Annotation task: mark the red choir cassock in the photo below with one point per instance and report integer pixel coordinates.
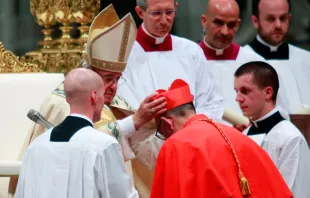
(207, 159)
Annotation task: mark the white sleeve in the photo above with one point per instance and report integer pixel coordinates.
(111, 177)
(127, 126)
(208, 97)
(127, 129)
(146, 145)
(294, 166)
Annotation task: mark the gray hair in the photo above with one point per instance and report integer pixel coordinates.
(143, 3)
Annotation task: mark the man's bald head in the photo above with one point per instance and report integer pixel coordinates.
(221, 22)
(222, 7)
(79, 85)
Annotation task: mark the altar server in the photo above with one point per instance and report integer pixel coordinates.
(257, 84)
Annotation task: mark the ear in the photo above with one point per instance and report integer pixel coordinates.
(168, 125)
(203, 21)
(139, 12)
(166, 120)
(268, 93)
(176, 5)
(289, 17)
(94, 97)
(238, 24)
(255, 21)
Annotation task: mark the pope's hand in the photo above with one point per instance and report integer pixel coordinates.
(149, 109)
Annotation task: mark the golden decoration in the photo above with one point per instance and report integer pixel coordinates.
(124, 43)
(84, 12)
(108, 65)
(63, 16)
(42, 12)
(55, 60)
(55, 54)
(9, 62)
(64, 53)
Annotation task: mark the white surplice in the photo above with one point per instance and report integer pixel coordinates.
(90, 165)
(289, 150)
(294, 76)
(147, 71)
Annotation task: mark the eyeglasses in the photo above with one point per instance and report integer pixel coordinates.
(111, 80)
(158, 13)
(158, 134)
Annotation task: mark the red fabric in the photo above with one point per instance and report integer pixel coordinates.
(197, 162)
(230, 53)
(178, 94)
(149, 45)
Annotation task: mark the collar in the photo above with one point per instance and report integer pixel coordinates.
(158, 40)
(229, 53)
(82, 116)
(151, 43)
(272, 48)
(218, 51)
(265, 123)
(198, 117)
(264, 117)
(280, 52)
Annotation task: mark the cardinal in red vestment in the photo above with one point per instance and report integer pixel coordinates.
(202, 158)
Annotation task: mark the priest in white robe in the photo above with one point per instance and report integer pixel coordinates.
(73, 159)
(271, 19)
(257, 85)
(220, 23)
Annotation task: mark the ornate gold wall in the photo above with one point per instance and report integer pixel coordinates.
(63, 53)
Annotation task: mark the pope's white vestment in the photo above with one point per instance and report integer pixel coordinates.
(89, 165)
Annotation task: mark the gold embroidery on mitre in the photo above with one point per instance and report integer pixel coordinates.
(108, 65)
(122, 52)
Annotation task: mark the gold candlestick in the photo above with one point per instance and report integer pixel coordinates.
(63, 16)
(41, 10)
(84, 12)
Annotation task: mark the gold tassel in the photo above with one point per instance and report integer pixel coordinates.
(245, 187)
(244, 184)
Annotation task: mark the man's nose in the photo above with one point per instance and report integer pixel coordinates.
(278, 23)
(224, 30)
(114, 84)
(239, 98)
(164, 19)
